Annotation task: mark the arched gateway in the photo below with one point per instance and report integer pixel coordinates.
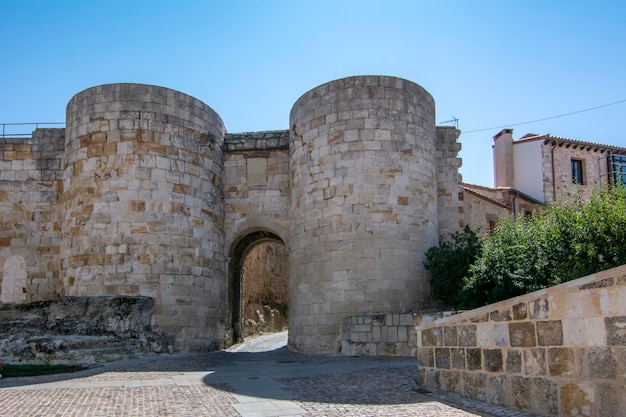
(156, 199)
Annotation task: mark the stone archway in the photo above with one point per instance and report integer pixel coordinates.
(258, 285)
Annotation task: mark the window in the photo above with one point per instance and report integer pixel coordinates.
(617, 170)
(577, 171)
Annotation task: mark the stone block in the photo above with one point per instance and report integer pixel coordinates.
(615, 330)
(499, 390)
(576, 399)
(544, 394)
(484, 334)
(425, 357)
(521, 393)
(432, 337)
(597, 362)
(449, 336)
(457, 358)
(442, 358)
(475, 386)
(520, 311)
(503, 314)
(522, 334)
(474, 359)
(450, 381)
(513, 361)
(467, 335)
(539, 309)
(501, 335)
(492, 360)
(535, 362)
(550, 333)
(611, 399)
(561, 362)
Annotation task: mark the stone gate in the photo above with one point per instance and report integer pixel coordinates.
(144, 193)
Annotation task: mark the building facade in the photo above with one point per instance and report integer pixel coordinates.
(540, 169)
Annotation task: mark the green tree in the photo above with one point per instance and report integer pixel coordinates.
(557, 244)
(448, 264)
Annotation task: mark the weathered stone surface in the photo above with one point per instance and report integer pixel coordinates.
(475, 386)
(492, 360)
(598, 362)
(520, 311)
(57, 330)
(513, 361)
(442, 358)
(615, 330)
(521, 392)
(611, 399)
(467, 335)
(449, 336)
(474, 359)
(550, 333)
(544, 395)
(576, 399)
(457, 358)
(522, 334)
(535, 361)
(561, 361)
(499, 390)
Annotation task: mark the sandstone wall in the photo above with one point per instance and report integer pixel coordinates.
(256, 184)
(363, 204)
(142, 206)
(556, 352)
(449, 206)
(557, 177)
(30, 230)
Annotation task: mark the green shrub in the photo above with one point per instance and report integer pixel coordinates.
(448, 264)
(557, 244)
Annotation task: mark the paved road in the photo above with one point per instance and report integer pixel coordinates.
(246, 381)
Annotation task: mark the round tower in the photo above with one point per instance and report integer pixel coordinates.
(363, 204)
(143, 211)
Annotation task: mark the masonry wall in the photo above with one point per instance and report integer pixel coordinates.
(30, 230)
(556, 352)
(256, 184)
(449, 206)
(363, 204)
(142, 206)
(558, 172)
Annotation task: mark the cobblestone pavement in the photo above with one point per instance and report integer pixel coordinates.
(240, 383)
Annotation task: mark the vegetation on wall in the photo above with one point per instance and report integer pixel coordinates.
(556, 244)
(449, 263)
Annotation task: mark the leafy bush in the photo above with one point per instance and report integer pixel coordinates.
(557, 244)
(449, 263)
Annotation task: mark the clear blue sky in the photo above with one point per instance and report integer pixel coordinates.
(488, 63)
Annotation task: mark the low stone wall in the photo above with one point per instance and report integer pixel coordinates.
(380, 334)
(556, 352)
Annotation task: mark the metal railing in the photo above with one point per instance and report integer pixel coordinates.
(18, 129)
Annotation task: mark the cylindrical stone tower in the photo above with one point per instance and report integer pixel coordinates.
(143, 211)
(363, 204)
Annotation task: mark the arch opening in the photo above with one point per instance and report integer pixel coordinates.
(258, 285)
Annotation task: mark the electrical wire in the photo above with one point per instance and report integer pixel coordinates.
(546, 118)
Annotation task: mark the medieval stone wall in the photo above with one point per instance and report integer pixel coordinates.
(560, 351)
(363, 204)
(142, 205)
(145, 194)
(449, 207)
(30, 229)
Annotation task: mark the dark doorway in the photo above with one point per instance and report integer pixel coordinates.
(258, 285)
